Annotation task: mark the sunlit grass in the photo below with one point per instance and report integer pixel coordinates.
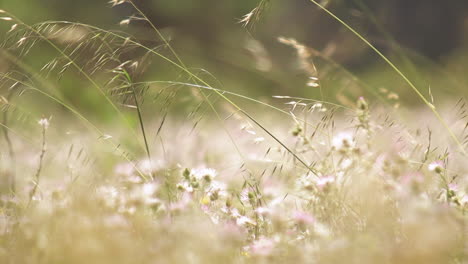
(191, 172)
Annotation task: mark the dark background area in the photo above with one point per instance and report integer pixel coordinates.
(430, 27)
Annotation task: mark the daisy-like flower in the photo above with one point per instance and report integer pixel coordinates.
(343, 140)
(436, 166)
(217, 190)
(206, 174)
(185, 186)
(246, 196)
(149, 189)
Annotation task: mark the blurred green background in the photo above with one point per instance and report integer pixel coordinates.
(427, 39)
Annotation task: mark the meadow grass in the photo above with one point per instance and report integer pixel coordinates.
(190, 172)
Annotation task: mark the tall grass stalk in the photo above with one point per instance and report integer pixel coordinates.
(94, 83)
(399, 72)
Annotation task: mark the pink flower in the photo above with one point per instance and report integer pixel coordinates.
(323, 182)
(303, 218)
(453, 187)
(262, 247)
(343, 140)
(436, 166)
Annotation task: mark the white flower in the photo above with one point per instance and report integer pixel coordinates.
(436, 166)
(149, 166)
(149, 189)
(263, 211)
(185, 186)
(219, 188)
(343, 140)
(204, 173)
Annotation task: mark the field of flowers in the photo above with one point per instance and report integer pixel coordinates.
(189, 172)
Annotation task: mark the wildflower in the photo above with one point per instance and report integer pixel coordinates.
(218, 186)
(453, 187)
(185, 186)
(343, 140)
(303, 218)
(149, 189)
(205, 200)
(436, 166)
(216, 190)
(206, 174)
(262, 247)
(247, 197)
